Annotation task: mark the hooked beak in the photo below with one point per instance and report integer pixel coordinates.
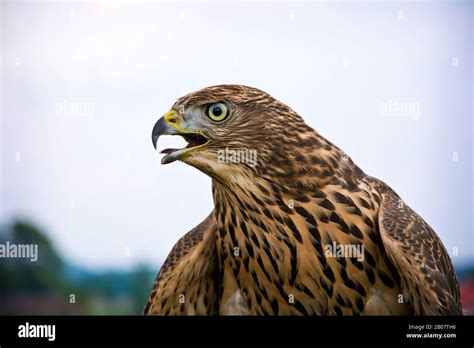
(195, 140)
(162, 128)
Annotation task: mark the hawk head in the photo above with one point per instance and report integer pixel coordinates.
(231, 128)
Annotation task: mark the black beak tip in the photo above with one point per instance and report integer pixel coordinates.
(158, 129)
(154, 140)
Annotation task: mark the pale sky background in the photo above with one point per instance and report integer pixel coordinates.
(95, 183)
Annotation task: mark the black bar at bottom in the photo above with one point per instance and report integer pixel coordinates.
(135, 330)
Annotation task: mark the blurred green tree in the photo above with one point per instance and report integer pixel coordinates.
(23, 275)
(46, 286)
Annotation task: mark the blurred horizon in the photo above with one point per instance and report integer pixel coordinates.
(49, 284)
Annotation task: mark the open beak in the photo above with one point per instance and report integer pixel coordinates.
(194, 140)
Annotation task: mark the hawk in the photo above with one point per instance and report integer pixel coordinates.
(298, 229)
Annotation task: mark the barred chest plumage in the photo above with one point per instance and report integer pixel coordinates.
(315, 253)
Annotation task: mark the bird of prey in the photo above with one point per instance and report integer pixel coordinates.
(301, 230)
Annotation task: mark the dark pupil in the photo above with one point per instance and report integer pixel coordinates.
(217, 111)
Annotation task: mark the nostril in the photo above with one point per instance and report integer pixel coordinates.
(172, 120)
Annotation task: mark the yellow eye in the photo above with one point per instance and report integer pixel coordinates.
(217, 112)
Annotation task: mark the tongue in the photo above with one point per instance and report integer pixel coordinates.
(168, 151)
(171, 155)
